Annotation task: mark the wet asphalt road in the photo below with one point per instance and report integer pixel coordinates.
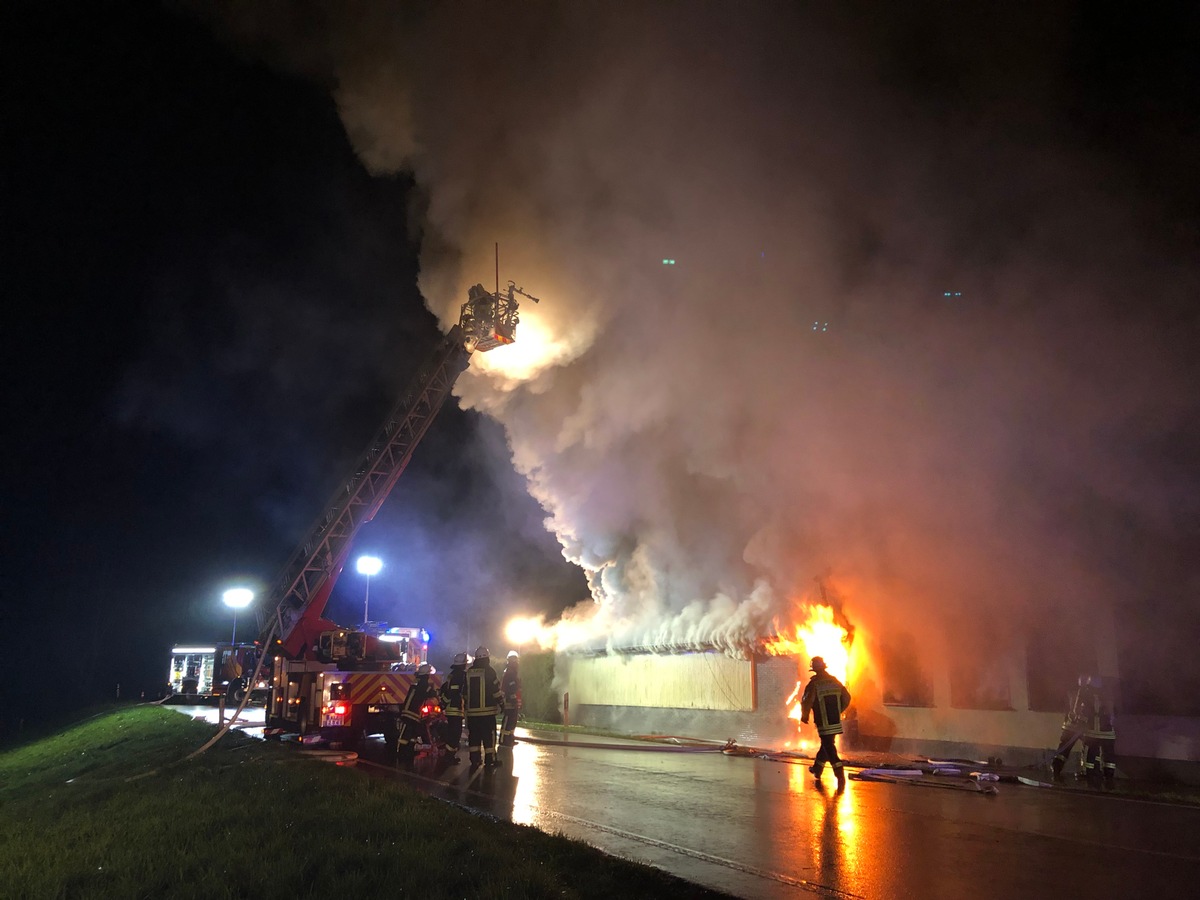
(760, 829)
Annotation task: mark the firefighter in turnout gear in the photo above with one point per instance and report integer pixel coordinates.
(483, 701)
(412, 726)
(1074, 726)
(451, 696)
(510, 684)
(826, 699)
(1100, 734)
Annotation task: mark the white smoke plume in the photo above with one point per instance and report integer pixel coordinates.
(915, 332)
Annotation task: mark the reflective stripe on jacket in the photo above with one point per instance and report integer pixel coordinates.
(417, 694)
(483, 694)
(1076, 714)
(1100, 718)
(825, 697)
(510, 686)
(451, 694)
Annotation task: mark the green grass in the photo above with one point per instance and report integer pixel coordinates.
(111, 808)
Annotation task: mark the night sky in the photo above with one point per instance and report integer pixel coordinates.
(160, 447)
(219, 221)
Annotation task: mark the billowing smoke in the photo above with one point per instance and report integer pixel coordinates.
(817, 296)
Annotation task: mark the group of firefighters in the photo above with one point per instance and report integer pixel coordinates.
(474, 692)
(471, 691)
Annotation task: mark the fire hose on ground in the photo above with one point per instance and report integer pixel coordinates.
(936, 775)
(943, 776)
(654, 748)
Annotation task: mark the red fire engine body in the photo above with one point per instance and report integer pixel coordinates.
(345, 683)
(342, 695)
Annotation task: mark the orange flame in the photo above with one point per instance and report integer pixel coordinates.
(819, 635)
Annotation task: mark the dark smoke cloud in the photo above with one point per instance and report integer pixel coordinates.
(930, 325)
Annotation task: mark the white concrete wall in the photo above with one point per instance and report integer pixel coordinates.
(1016, 727)
(1005, 728)
(679, 681)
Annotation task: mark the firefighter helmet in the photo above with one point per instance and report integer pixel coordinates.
(482, 653)
(424, 669)
(513, 654)
(460, 659)
(1085, 680)
(817, 664)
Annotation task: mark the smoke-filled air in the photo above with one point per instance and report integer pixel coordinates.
(831, 307)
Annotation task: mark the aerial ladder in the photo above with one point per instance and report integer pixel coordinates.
(348, 682)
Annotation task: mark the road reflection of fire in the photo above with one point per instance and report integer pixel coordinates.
(833, 840)
(525, 777)
(829, 818)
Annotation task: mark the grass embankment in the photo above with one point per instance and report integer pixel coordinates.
(109, 808)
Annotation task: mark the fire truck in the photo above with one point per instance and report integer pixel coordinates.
(344, 683)
(220, 670)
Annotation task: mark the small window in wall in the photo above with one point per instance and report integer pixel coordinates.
(905, 682)
(980, 684)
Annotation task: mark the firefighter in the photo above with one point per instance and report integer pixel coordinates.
(451, 698)
(1073, 728)
(1100, 734)
(412, 726)
(483, 700)
(510, 684)
(825, 698)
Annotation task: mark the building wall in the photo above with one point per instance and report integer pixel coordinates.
(1159, 747)
(902, 729)
(686, 681)
(710, 696)
(885, 727)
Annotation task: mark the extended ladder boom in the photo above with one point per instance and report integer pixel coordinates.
(294, 611)
(300, 594)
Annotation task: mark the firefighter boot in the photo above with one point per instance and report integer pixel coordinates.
(816, 771)
(840, 774)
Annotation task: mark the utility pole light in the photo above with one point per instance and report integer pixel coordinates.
(368, 565)
(235, 599)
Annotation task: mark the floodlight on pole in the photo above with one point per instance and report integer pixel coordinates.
(235, 599)
(368, 565)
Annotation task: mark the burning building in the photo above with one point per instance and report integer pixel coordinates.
(913, 695)
(909, 701)
(800, 318)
